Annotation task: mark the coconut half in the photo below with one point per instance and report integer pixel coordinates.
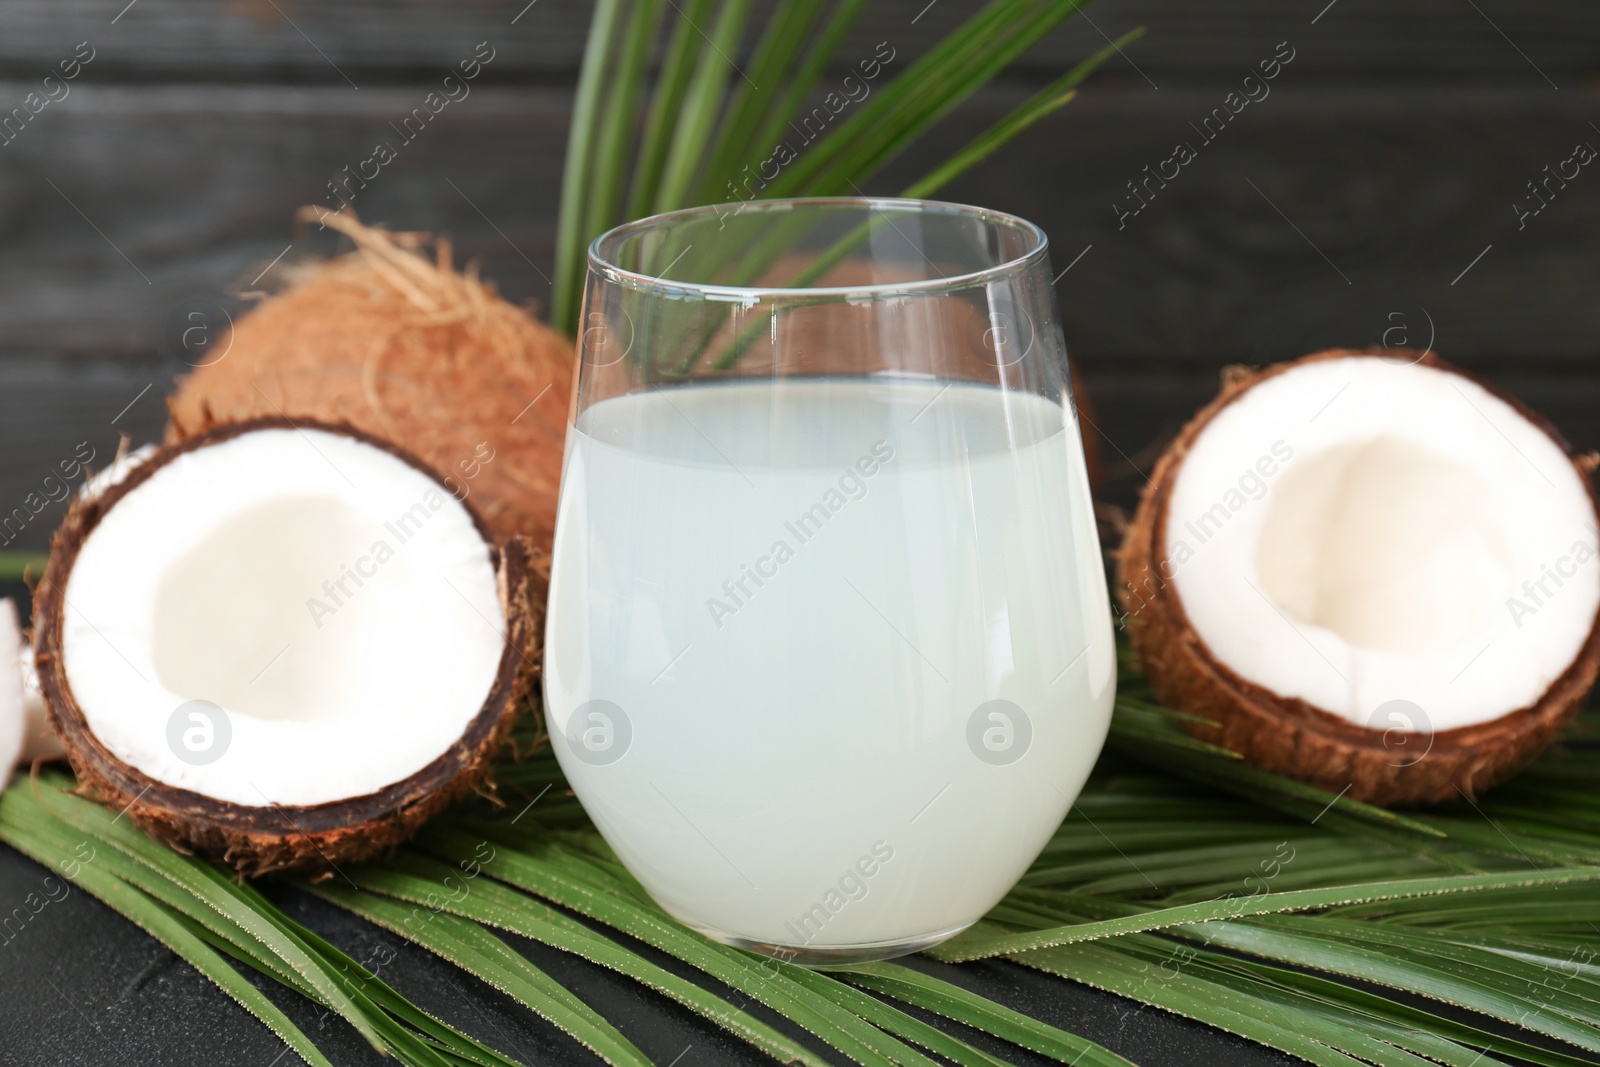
(1371, 572)
(39, 741)
(14, 722)
(20, 699)
(281, 644)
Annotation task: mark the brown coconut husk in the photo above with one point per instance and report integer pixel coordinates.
(406, 348)
(1294, 738)
(316, 839)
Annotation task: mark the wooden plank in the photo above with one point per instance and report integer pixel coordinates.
(1321, 216)
(1325, 216)
(374, 40)
(56, 413)
(131, 200)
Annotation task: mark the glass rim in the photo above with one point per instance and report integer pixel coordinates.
(750, 294)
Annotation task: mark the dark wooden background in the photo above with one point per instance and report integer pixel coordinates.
(1338, 211)
(1341, 210)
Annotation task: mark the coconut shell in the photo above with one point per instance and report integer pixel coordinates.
(318, 838)
(1294, 738)
(407, 349)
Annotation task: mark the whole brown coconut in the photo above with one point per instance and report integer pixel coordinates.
(1290, 736)
(315, 839)
(410, 350)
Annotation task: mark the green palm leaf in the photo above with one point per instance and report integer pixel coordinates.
(715, 120)
(1106, 904)
(974, 948)
(33, 839)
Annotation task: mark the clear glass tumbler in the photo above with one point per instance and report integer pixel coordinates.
(829, 649)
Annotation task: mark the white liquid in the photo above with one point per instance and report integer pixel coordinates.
(799, 770)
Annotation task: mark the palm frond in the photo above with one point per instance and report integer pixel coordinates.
(1161, 886)
(715, 122)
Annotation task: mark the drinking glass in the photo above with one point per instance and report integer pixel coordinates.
(829, 649)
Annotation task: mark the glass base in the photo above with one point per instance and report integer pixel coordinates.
(823, 956)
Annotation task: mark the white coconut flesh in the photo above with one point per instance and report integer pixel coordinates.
(338, 605)
(1358, 532)
(39, 738)
(122, 466)
(13, 694)
(20, 697)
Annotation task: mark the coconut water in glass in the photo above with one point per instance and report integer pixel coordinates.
(828, 653)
